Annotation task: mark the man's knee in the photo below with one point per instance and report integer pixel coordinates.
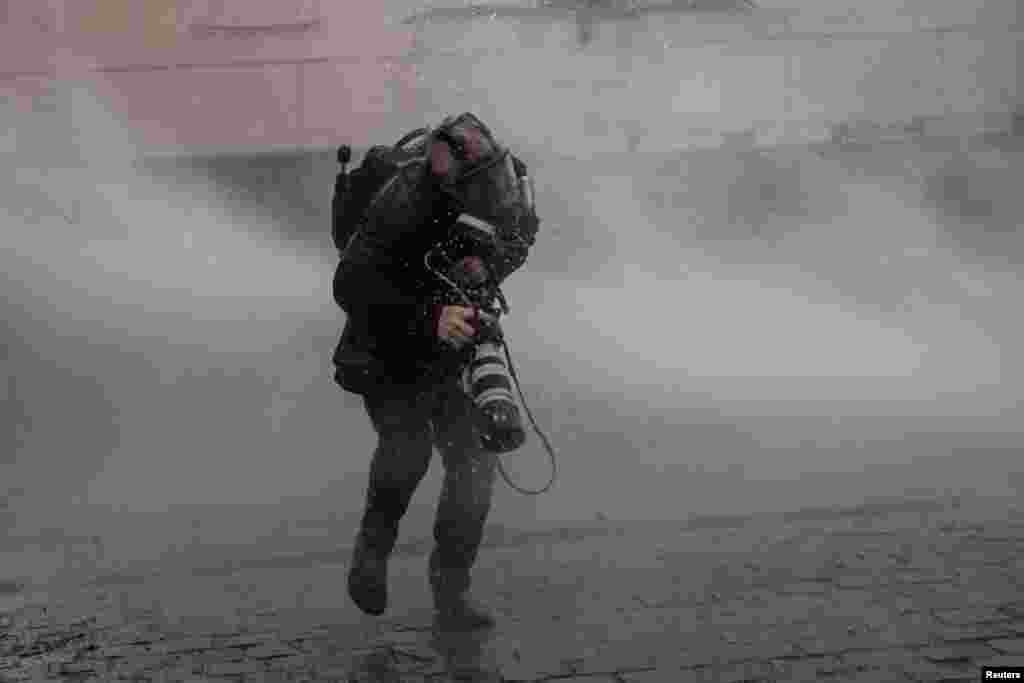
(460, 533)
(468, 491)
(396, 471)
(401, 457)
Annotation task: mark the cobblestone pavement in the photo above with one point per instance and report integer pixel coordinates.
(909, 592)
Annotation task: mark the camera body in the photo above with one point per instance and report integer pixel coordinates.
(486, 377)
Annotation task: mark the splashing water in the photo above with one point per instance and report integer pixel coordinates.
(663, 310)
(155, 325)
(91, 237)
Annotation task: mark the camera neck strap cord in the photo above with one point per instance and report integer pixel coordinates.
(447, 280)
(553, 459)
(540, 434)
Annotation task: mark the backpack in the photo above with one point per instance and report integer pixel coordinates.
(355, 191)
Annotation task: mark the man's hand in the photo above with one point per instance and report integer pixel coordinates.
(453, 325)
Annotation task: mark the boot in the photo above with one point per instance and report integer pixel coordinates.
(368, 577)
(461, 612)
(454, 607)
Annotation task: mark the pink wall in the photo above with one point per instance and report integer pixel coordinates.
(256, 73)
(215, 72)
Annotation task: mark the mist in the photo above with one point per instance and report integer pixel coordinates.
(700, 332)
(157, 332)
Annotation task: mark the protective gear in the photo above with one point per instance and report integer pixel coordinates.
(391, 301)
(390, 353)
(355, 191)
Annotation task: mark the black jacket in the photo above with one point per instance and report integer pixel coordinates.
(390, 299)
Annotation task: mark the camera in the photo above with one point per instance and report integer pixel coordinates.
(486, 378)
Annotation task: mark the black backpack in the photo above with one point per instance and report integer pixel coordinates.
(355, 191)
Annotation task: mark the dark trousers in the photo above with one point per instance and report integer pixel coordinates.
(409, 426)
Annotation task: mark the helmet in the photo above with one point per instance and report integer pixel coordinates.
(471, 142)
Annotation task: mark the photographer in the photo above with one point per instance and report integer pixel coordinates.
(412, 342)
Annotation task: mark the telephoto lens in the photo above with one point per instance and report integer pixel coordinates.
(488, 383)
(486, 378)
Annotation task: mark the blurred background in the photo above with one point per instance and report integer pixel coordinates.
(780, 263)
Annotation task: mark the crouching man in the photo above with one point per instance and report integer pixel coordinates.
(405, 346)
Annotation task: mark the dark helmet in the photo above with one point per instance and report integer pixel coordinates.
(486, 182)
(465, 134)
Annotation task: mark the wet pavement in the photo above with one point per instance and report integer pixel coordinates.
(909, 591)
